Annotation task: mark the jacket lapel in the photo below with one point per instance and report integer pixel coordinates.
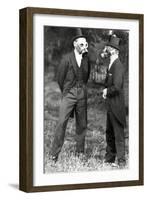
(74, 62)
(113, 64)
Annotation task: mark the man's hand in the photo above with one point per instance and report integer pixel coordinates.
(105, 93)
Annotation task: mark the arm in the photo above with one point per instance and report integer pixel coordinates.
(117, 82)
(88, 64)
(62, 70)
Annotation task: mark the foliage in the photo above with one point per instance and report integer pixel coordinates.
(58, 41)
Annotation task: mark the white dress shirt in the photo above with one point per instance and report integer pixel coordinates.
(78, 57)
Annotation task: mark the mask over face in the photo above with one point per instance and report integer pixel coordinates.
(108, 51)
(81, 45)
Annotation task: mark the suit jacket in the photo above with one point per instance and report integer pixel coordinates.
(67, 71)
(115, 92)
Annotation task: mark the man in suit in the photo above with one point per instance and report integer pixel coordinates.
(73, 74)
(114, 95)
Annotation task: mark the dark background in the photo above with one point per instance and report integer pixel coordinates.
(58, 41)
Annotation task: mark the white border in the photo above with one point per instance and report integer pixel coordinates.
(132, 173)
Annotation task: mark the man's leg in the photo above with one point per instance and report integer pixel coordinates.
(81, 121)
(119, 140)
(66, 107)
(110, 140)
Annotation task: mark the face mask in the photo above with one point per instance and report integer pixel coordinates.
(105, 53)
(81, 45)
(111, 50)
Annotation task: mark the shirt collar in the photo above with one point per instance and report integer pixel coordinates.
(77, 54)
(78, 57)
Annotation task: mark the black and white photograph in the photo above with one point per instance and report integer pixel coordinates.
(73, 100)
(85, 99)
(82, 100)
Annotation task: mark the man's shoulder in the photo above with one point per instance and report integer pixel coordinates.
(118, 64)
(118, 67)
(67, 56)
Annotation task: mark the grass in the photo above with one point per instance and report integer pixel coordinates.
(95, 141)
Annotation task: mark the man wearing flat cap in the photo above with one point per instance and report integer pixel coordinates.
(114, 96)
(73, 74)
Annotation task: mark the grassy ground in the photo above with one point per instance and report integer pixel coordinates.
(95, 142)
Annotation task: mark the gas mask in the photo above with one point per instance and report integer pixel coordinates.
(109, 51)
(106, 52)
(81, 45)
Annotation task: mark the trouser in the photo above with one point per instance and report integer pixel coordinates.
(115, 139)
(75, 99)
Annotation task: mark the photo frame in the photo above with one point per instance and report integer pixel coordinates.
(32, 22)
